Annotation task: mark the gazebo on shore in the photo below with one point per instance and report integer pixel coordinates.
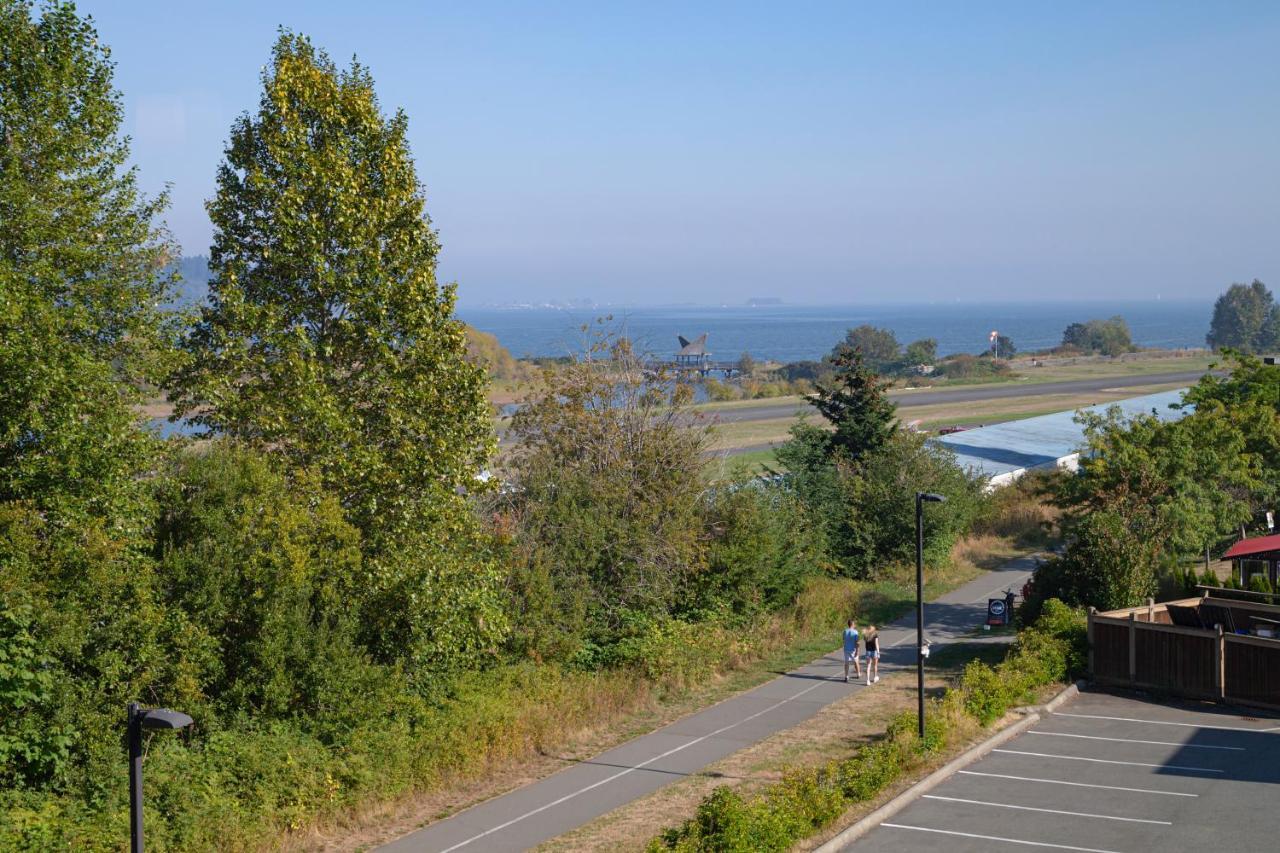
(693, 354)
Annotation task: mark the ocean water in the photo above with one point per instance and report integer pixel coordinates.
(797, 333)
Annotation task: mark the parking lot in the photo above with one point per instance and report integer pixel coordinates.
(1108, 774)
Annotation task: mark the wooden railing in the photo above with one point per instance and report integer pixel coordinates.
(1138, 647)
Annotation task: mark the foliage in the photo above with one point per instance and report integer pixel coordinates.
(965, 366)
(1005, 347)
(746, 364)
(856, 405)
(1245, 318)
(808, 799)
(328, 340)
(923, 351)
(81, 274)
(1149, 492)
(879, 347)
(1108, 337)
(607, 472)
(484, 349)
(810, 371)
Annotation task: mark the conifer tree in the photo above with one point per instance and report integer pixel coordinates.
(855, 403)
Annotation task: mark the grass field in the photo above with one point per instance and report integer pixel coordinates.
(730, 436)
(1051, 370)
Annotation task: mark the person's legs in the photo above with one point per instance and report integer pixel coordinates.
(846, 666)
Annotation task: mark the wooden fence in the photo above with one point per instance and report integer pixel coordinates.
(1140, 648)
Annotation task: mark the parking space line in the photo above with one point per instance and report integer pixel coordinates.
(1131, 740)
(997, 838)
(1077, 784)
(1047, 811)
(1108, 761)
(1167, 723)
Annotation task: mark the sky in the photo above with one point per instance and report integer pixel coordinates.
(820, 152)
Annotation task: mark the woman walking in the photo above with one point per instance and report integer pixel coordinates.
(871, 637)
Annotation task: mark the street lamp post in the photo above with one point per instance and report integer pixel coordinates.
(921, 497)
(151, 719)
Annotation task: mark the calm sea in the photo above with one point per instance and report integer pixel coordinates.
(797, 333)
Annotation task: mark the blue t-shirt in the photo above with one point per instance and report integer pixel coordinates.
(850, 639)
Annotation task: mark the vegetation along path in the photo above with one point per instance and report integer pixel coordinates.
(534, 813)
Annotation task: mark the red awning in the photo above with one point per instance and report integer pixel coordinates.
(1256, 545)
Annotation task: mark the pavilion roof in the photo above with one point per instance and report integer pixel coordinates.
(1256, 545)
(688, 347)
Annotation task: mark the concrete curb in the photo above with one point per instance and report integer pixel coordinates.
(937, 777)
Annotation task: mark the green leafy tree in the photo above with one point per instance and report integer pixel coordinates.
(746, 364)
(606, 509)
(855, 403)
(84, 267)
(1005, 347)
(328, 344)
(879, 347)
(1108, 337)
(1245, 318)
(923, 351)
(82, 271)
(328, 340)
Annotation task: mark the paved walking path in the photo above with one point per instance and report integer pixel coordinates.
(565, 800)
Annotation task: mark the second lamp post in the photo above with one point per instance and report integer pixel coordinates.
(921, 498)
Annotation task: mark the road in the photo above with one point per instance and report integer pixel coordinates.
(583, 791)
(907, 398)
(1107, 774)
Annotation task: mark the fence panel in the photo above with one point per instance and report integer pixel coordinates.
(1177, 662)
(1110, 651)
(1253, 671)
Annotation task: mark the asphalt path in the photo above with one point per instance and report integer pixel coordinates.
(1107, 773)
(908, 398)
(527, 816)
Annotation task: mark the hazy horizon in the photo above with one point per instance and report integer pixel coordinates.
(830, 154)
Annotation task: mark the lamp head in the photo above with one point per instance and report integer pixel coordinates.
(931, 497)
(163, 718)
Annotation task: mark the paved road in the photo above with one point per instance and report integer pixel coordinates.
(1107, 774)
(906, 398)
(583, 791)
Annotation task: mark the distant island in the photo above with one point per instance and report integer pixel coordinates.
(762, 301)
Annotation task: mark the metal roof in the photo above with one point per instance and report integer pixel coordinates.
(698, 347)
(1256, 545)
(1046, 440)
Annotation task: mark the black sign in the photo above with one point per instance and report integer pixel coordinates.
(997, 612)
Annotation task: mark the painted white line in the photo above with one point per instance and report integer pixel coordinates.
(997, 838)
(622, 773)
(1167, 723)
(1131, 740)
(1108, 761)
(1048, 811)
(1077, 784)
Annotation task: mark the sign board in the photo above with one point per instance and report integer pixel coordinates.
(997, 612)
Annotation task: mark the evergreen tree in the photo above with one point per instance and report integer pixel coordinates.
(328, 339)
(856, 404)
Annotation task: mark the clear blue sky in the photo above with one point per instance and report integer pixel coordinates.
(816, 151)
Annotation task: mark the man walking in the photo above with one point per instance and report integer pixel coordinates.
(851, 650)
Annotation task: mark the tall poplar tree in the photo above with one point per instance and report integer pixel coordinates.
(329, 344)
(82, 269)
(328, 339)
